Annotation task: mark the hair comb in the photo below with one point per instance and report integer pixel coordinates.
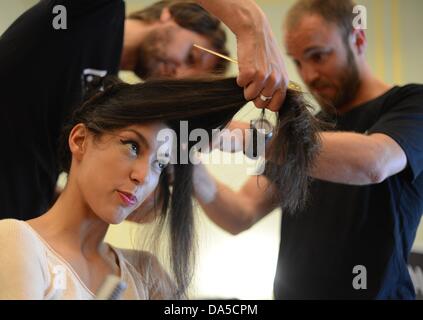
(292, 85)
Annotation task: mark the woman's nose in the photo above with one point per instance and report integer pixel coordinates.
(139, 173)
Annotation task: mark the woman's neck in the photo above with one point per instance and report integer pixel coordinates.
(70, 221)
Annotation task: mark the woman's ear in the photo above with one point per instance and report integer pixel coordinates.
(78, 140)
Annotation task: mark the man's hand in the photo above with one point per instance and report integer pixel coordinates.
(262, 72)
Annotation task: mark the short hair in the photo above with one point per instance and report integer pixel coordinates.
(191, 16)
(339, 12)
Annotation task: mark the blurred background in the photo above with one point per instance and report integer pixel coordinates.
(243, 266)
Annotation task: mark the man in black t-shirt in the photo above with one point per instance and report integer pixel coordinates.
(44, 70)
(353, 238)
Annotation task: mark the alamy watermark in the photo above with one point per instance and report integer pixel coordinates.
(360, 20)
(60, 19)
(199, 141)
(360, 279)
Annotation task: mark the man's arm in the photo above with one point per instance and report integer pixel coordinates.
(261, 67)
(347, 158)
(233, 211)
(352, 158)
(358, 159)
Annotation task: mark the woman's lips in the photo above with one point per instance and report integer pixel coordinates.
(127, 198)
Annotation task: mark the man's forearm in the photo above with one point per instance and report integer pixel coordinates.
(228, 210)
(245, 11)
(261, 67)
(349, 158)
(234, 211)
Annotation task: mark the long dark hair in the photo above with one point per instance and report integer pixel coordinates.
(208, 104)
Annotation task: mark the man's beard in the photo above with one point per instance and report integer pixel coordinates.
(349, 84)
(152, 53)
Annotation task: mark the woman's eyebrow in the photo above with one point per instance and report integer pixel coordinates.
(142, 139)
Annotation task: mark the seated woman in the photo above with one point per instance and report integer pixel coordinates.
(114, 161)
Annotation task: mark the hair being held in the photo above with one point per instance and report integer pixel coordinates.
(207, 104)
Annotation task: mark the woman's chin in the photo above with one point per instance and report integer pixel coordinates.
(117, 217)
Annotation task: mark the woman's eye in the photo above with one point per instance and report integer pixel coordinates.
(132, 145)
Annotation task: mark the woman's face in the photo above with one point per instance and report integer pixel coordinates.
(116, 172)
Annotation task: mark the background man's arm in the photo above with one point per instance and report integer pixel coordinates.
(261, 67)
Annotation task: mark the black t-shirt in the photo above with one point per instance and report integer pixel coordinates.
(373, 226)
(41, 80)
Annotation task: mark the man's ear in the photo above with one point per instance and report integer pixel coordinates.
(165, 16)
(359, 41)
(78, 140)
